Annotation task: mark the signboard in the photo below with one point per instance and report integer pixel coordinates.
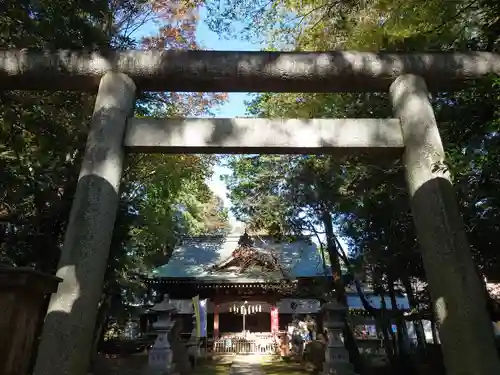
(275, 326)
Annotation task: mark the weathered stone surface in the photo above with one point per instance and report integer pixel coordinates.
(241, 71)
(336, 355)
(68, 330)
(247, 135)
(459, 301)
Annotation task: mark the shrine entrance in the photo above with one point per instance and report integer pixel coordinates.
(246, 329)
(457, 294)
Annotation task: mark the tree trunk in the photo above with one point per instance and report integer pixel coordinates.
(405, 360)
(435, 335)
(434, 326)
(385, 325)
(350, 341)
(402, 341)
(101, 320)
(418, 326)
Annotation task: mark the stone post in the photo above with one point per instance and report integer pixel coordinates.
(456, 290)
(336, 355)
(69, 324)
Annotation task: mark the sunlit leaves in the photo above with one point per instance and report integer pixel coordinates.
(176, 23)
(373, 207)
(42, 137)
(169, 193)
(43, 134)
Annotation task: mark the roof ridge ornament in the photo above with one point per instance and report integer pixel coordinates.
(245, 240)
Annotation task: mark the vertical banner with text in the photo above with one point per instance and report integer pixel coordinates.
(200, 313)
(275, 323)
(203, 318)
(196, 309)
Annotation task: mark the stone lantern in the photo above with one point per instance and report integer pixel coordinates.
(160, 355)
(336, 355)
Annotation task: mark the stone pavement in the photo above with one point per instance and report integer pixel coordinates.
(246, 365)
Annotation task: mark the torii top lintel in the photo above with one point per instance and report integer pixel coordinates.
(225, 71)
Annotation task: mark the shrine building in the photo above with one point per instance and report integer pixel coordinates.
(267, 281)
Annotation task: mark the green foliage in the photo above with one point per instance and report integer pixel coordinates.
(368, 201)
(53, 24)
(43, 134)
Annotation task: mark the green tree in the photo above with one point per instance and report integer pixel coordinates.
(372, 209)
(43, 134)
(216, 216)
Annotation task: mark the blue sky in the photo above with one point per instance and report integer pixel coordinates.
(235, 106)
(209, 40)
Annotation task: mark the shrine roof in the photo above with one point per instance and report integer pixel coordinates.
(198, 258)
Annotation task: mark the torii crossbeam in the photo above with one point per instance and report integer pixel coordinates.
(223, 71)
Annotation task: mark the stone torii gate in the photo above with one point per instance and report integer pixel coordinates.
(457, 294)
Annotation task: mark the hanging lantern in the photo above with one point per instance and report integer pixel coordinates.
(260, 308)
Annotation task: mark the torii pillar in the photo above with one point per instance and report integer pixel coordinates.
(457, 294)
(68, 332)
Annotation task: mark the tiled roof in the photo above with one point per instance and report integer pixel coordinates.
(196, 257)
